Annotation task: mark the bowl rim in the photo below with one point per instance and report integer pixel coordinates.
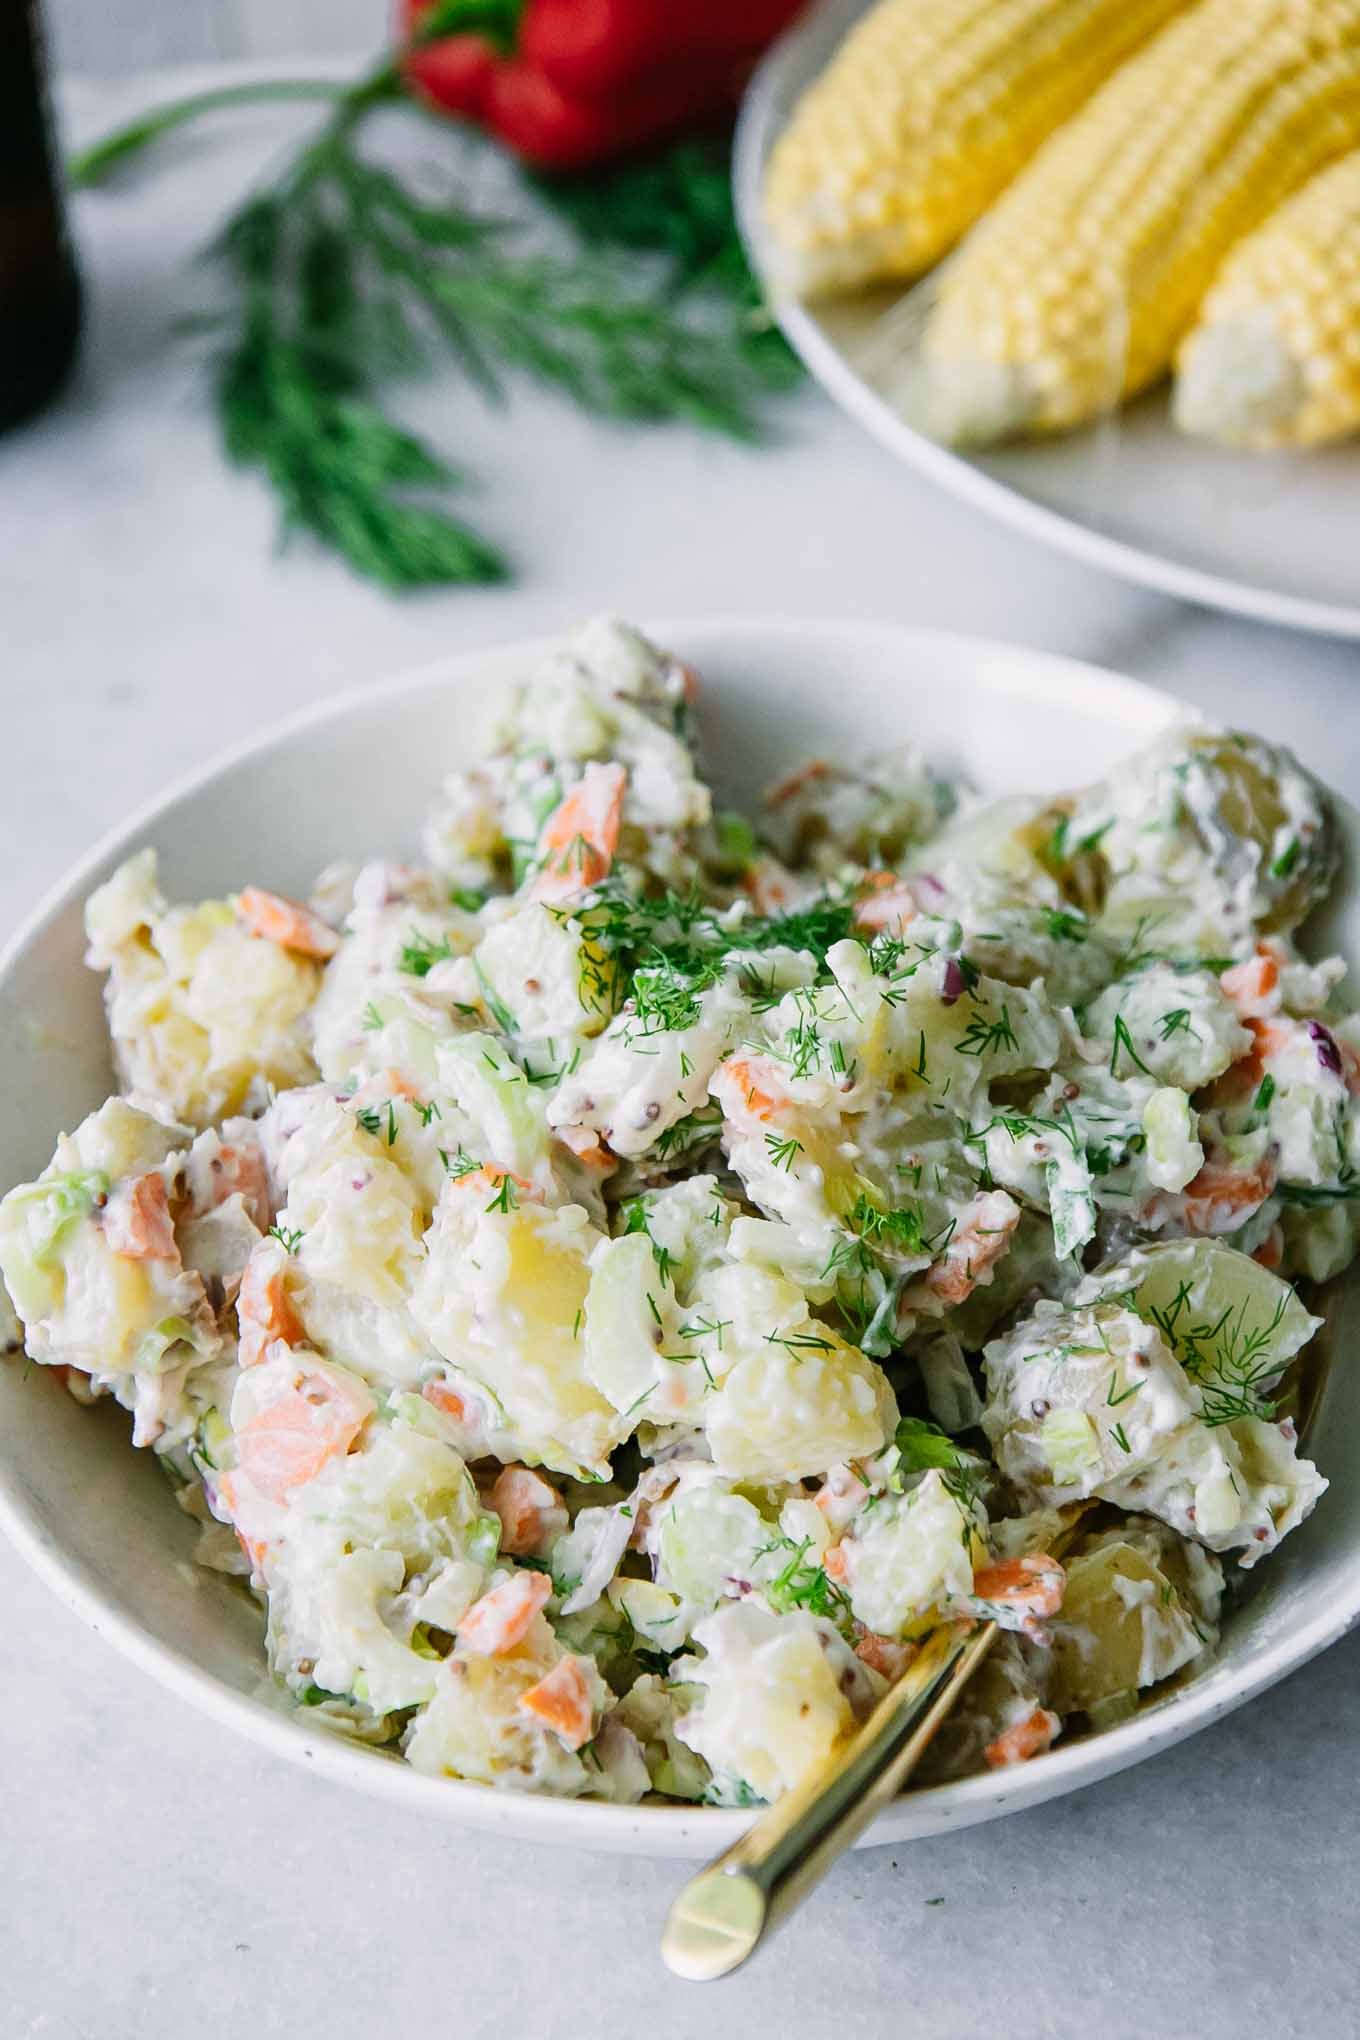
(661, 1829)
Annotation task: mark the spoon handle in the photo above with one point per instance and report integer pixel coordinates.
(724, 1913)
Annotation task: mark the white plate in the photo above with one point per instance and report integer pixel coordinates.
(354, 774)
(1267, 536)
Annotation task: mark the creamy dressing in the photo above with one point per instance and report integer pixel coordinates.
(613, 1285)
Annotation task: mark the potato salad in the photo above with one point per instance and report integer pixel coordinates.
(610, 1278)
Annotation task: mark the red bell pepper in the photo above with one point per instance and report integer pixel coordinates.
(596, 49)
(453, 74)
(588, 79)
(546, 128)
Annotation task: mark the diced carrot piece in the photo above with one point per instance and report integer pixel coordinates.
(289, 1442)
(1033, 1584)
(887, 904)
(581, 835)
(885, 1654)
(586, 1145)
(975, 1248)
(561, 1701)
(238, 1167)
(286, 922)
(750, 1087)
(501, 1619)
(1222, 1197)
(1269, 1038)
(767, 885)
(382, 1085)
(137, 1222)
(441, 1397)
(835, 1564)
(530, 1510)
(1251, 985)
(486, 1181)
(264, 1310)
(1270, 1253)
(1028, 1738)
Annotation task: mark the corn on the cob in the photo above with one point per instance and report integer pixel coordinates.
(927, 110)
(1076, 288)
(1274, 357)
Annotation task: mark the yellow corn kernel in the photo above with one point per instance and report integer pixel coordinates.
(1075, 289)
(925, 113)
(1274, 357)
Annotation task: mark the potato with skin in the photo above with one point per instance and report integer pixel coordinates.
(204, 1010)
(1138, 1605)
(1010, 1686)
(1203, 841)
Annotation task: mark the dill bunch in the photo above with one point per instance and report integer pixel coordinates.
(340, 278)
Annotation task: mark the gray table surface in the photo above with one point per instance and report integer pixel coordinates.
(164, 1879)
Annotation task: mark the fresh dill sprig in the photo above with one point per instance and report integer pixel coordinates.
(1232, 1360)
(982, 1037)
(1123, 1039)
(799, 1343)
(340, 276)
(633, 1212)
(782, 1149)
(686, 1133)
(1064, 924)
(1178, 1021)
(803, 1583)
(420, 953)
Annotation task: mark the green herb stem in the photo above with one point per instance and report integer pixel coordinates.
(93, 165)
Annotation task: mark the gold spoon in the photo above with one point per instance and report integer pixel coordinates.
(723, 1914)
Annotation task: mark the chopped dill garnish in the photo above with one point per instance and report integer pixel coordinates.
(802, 1583)
(493, 1002)
(799, 1342)
(1178, 1021)
(1123, 1039)
(1231, 1360)
(1064, 924)
(983, 1037)
(782, 1149)
(420, 953)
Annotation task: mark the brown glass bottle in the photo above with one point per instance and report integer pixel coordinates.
(39, 294)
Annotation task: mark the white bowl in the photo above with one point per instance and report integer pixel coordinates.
(98, 1520)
